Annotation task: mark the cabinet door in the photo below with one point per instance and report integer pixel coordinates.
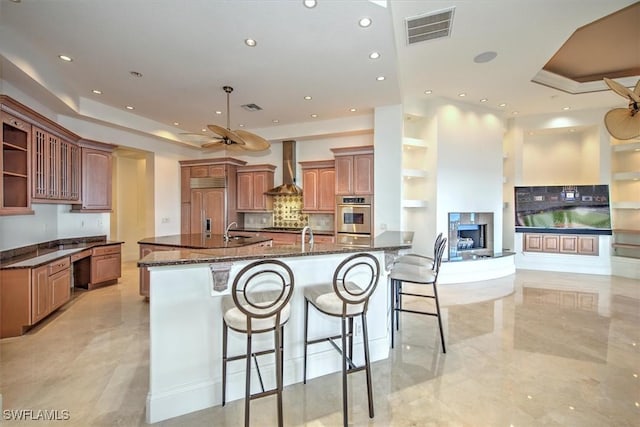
(344, 175)
(217, 170)
(550, 243)
(245, 191)
(199, 171)
(185, 184)
(185, 218)
(310, 185)
(96, 179)
(262, 181)
(588, 245)
(532, 242)
(207, 203)
(40, 163)
(40, 294)
(363, 174)
(53, 166)
(15, 165)
(60, 284)
(69, 171)
(105, 268)
(569, 244)
(326, 190)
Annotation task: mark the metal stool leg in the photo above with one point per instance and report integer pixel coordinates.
(306, 329)
(345, 406)
(278, 356)
(247, 390)
(435, 293)
(393, 310)
(367, 363)
(224, 362)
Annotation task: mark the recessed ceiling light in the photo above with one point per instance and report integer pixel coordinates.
(484, 100)
(307, 98)
(380, 78)
(353, 110)
(566, 108)
(129, 107)
(275, 121)
(218, 112)
(428, 92)
(310, 3)
(176, 123)
(250, 42)
(485, 57)
(515, 113)
(374, 55)
(241, 125)
(462, 95)
(97, 92)
(572, 130)
(314, 115)
(65, 58)
(135, 73)
(364, 22)
(502, 105)
(16, 1)
(203, 130)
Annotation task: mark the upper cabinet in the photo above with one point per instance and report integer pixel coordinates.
(96, 177)
(319, 184)
(56, 168)
(14, 166)
(253, 182)
(354, 170)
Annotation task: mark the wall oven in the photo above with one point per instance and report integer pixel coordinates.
(353, 215)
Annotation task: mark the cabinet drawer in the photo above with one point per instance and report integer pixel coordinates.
(58, 265)
(105, 268)
(81, 255)
(106, 250)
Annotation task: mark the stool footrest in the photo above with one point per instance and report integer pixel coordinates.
(417, 295)
(426, 313)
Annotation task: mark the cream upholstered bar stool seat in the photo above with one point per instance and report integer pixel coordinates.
(258, 303)
(347, 297)
(420, 260)
(421, 276)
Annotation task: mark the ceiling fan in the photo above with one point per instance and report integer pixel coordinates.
(236, 140)
(624, 123)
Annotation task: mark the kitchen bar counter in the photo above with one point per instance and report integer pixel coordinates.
(202, 241)
(387, 241)
(185, 320)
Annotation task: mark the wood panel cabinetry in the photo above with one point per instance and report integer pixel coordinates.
(253, 182)
(96, 177)
(354, 170)
(29, 295)
(15, 163)
(561, 243)
(106, 265)
(207, 210)
(319, 183)
(56, 165)
(144, 271)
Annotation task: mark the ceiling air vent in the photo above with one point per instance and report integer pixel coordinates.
(428, 27)
(252, 107)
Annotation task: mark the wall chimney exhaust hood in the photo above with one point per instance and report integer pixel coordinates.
(288, 186)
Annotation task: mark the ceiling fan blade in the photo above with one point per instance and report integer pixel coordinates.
(226, 134)
(213, 145)
(636, 89)
(622, 123)
(622, 90)
(252, 141)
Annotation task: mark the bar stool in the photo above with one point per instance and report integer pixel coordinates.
(259, 303)
(421, 260)
(417, 275)
(347, 297)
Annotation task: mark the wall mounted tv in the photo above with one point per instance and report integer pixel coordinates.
(559, 207)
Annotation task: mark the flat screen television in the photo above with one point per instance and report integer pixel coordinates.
(563, 207)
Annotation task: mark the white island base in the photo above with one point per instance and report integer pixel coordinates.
(186, 335)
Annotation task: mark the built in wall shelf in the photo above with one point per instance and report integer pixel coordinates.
(625, 205)
(414, 173)
(626, 176)
(414, 203)
(410, 143)
(626, 242)
(629, 146)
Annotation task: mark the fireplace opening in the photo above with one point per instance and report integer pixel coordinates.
(471, 236)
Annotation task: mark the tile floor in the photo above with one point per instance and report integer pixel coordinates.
(534, 349)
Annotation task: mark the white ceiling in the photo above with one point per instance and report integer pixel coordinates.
(188, 50)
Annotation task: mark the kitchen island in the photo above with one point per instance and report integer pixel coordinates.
(185, 325)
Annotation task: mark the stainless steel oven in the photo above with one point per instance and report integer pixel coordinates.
(353, 214)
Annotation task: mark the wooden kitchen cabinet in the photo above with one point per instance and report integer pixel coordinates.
(319, 184)
(56, 166)
(106, 265)
(253, 181)
(29, 295)
(143, 285)
(207, 206)
(561, 243)
(354, 170)
(15, 164)
(96, 177)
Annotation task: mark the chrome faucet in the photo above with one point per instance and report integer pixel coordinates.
(304, 232)
(226, 232)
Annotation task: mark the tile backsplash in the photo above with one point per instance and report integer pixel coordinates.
(287, 212)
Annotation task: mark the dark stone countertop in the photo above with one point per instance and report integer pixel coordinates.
(202, 241)
(387, 241)
(36, 255)
(286, 230)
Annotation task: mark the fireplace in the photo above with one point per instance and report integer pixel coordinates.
(470, 233)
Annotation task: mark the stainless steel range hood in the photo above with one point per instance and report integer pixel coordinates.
(288, 186)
